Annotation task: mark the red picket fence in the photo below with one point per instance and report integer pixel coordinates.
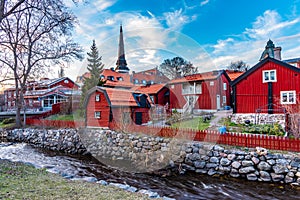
(54, 123)
(233, 139)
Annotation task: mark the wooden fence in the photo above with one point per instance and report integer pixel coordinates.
(233, 139)
(54, 123)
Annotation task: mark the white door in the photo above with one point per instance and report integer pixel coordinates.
(218, 102)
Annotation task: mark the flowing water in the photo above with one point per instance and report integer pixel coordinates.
(187, 186)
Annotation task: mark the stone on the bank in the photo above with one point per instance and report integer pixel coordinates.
(236, 164)
(265, 176)
(225, 161)
(264, 166)
(246, 170)
(251, 177)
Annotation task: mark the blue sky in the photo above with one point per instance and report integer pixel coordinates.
(209, 33)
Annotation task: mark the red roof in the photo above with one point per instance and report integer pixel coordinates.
(197, 77)
(120, 97)
(149, 89)
(233, 74)
(119, 79)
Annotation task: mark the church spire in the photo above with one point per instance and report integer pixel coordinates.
(121, 62)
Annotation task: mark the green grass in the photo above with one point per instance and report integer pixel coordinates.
(75, 116)
(20, 181)
(7, 125)
(195, 123)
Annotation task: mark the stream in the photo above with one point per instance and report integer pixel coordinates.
(187, 186)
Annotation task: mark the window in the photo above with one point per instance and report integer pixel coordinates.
(97, 97)
(187, 89)
(111, 78)
(194, 88)
(152, 82)
(102, 77)
(120, 78)
(224, 86)
(144, 82)
(97, 114)
(136, 81)
(288, 97)
(198, 88)
(211, 83)
(66, 81)
(224, 99)
(152, 98)
(172, 86)
(269, 76)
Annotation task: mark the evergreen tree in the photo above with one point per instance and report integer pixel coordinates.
(95, 67)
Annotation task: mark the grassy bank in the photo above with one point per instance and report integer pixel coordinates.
(195, 123)
(20, 181)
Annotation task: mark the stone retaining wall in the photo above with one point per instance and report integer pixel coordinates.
(261, 118)
(150, 153)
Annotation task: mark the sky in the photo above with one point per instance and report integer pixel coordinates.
(209, 33)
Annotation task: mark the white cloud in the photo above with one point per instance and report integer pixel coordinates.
(204, 2)
(249, 45)
(176, 20)
(269, 25)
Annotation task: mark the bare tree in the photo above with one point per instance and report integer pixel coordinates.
(238, 66)
(177, 67)
(8, 7)
(35, 38)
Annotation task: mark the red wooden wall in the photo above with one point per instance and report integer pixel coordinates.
(94, 106)
(252, 93)
(208, 98)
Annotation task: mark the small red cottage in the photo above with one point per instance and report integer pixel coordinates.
(207, 91)
(107, 107)
(270, 87)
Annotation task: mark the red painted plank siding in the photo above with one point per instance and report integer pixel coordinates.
(252, 93)
(208, 98)
(94, 106)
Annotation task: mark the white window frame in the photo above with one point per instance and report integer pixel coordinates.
(211, 83)
(224, 86)
(98, 114)
(267, 73)
(224, 99)
(97, 97)
(288, 94)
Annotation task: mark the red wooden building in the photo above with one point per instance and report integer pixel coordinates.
(268, 87)
(207, 91)
(42, 94)
(112, 106)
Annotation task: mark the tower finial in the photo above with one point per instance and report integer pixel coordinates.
(121, 62)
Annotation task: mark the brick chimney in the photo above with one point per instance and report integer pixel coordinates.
(277, 53)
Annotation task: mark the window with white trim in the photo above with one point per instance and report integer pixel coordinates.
(198, 88)
(269, 76)
(288, 97)
(224, 99)
(211, 83)
(97, 98)
(224, 86)
(97, 114)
